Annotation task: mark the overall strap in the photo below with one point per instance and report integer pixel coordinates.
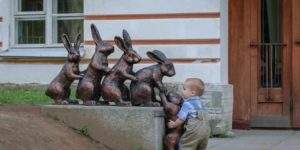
(200, 111)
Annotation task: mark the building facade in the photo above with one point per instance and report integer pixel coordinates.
(252, 45)
(189, 33)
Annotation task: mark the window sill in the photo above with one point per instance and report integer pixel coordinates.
(37, 53)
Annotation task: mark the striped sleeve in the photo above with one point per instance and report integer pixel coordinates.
(183, 113)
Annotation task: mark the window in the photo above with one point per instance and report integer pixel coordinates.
(271, 49)
(42, 22)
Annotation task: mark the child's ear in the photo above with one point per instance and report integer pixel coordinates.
(193, 93)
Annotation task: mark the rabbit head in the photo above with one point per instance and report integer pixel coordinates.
(101, 46)
(166, 66)
(130, 55)
(175, 98)
(73, 51)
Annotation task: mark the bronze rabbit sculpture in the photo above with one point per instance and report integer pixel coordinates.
(114, 89)
(59, 88)
(89, 88)
(171, 103)
(142, 89)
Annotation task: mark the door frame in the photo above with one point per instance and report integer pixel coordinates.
(295, 100)
(256, 119)
(242, 15)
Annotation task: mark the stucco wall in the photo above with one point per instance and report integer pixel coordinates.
(206, 58)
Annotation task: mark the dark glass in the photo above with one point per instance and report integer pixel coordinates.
(70, 27)
(31, 32)
(30, 5)
(68, 6)
(271, 50)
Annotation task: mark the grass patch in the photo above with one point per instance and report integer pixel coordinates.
(53, 118)
(83, 132)
(28, 95)
(24, 97)
(139, 147)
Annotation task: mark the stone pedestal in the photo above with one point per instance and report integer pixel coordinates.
(126, 128)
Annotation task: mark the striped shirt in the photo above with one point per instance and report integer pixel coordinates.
(190, 107)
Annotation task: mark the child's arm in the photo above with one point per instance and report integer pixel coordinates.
(175, 124)
(182, 115)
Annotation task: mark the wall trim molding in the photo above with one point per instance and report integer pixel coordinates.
(110, 61)
(165, 42)
(152, 16)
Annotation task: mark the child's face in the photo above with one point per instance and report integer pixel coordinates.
(187, 91)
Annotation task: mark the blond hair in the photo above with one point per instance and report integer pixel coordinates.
(196, 85)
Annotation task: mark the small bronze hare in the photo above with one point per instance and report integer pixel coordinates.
(171, 103)
(113, 87)
(89, 88)
(59, 88)
(142, 90)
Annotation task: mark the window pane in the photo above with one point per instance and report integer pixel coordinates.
(271, 53)
(31, 32)
(30, 5)
(70, 27)
(271, 12)
(67, 6)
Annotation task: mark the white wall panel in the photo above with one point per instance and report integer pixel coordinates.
(1, 32)
(224, 41)
(208, 72)
(109, 7)
(5, 6)
(171, 51)
(44, 73)
(156, 28)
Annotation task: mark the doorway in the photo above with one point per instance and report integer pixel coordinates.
(264, 62)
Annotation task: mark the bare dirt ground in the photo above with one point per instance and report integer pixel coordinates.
(24, 128)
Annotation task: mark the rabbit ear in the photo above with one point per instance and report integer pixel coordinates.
(95, 34)
(154, 57)
(77, 41)
(121, 44)
(157, 56)
(127, 38)
(66, 41)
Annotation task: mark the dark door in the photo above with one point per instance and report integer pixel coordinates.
(271, 64)
(264, 62)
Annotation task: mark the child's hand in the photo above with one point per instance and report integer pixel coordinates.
(171, 124)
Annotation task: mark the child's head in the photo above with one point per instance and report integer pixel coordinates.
(192, 87)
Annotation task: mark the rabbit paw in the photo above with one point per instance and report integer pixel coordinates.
(81, 76)
(155, 104)
(107, 70)
(102, 103)
(134, 79)
(74, 102)
(90, 103)
(61, 102)
(163, 90)
(64, 102)
(124, 103)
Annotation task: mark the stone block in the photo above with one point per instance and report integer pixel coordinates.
(125, 128)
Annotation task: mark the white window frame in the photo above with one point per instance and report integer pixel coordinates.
(46, 14)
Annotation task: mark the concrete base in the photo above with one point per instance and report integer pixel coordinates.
(218, 99)
(125, 128)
